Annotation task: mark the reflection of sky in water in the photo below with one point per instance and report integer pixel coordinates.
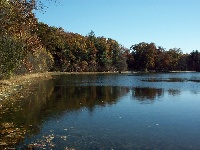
(168, 81)
(114, 111)
(170, 122)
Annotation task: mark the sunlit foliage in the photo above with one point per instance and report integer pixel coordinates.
(27, 46)
(11, 55)
(18, 40)
(76, 53)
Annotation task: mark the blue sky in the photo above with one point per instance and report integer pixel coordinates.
(167, 23)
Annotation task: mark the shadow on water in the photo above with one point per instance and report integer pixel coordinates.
(24, 113)
(22, 116)
(165, 80)
(144, 93)
(170, 80)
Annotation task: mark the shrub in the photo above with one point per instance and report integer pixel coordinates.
(11, 55)
(39, 61)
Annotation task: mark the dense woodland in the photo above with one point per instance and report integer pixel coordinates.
(29, 46)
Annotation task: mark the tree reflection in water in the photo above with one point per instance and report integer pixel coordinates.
(32, 106)
(148, 95)
(174, 92)
(145, 93)
(24, 114)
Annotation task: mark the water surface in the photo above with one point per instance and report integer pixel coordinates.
(105, 111)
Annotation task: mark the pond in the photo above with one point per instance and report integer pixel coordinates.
(105, 111)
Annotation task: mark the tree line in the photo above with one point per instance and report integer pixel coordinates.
(147, 56)
(29, 46)
(73, 52)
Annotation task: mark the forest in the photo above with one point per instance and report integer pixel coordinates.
(30, 46)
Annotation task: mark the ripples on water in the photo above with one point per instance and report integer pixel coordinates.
(105, 111)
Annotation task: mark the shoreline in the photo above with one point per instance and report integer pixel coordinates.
(16, 83)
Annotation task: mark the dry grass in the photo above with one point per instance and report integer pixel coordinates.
(9, 86)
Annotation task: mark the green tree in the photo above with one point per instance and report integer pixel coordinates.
(53, 39)
(11, 55)
(91, 59)
(121, 63)
(17, 32)
(114, 52)
(103, 58)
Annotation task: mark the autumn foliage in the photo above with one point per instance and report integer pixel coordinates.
(28, 46)
(73, 52)
(149, 57)
(20, 47)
